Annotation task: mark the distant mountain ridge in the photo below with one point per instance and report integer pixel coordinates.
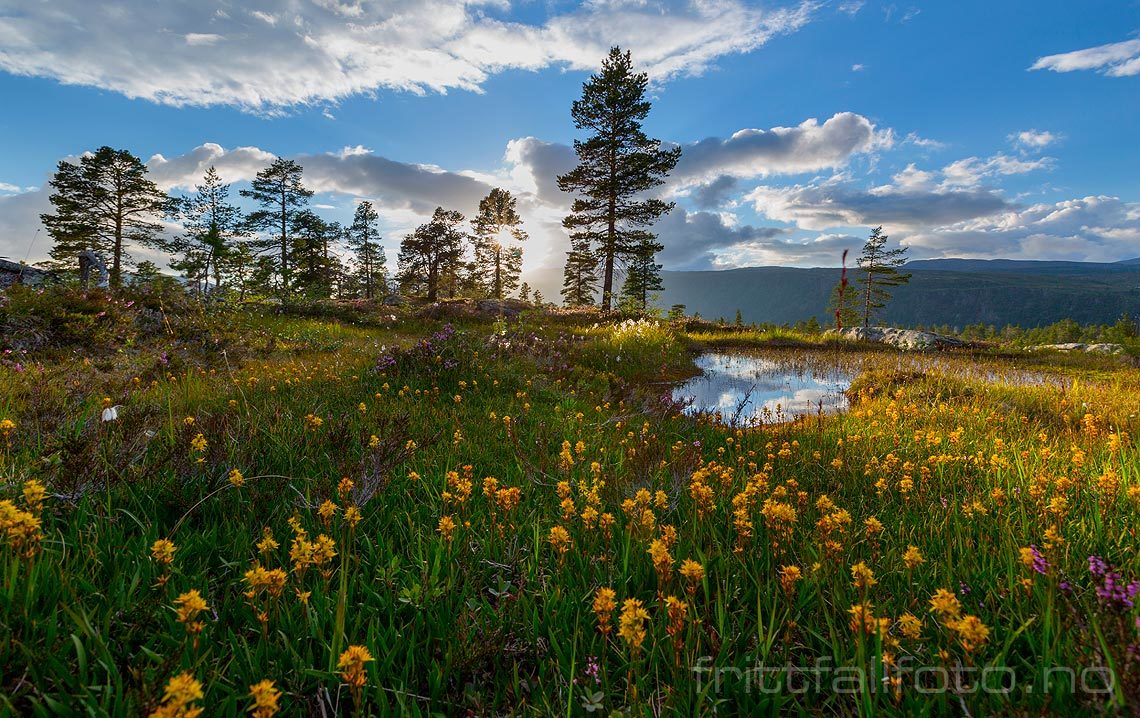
(941, 291)
(957, 292)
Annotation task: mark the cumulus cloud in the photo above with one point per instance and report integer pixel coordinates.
(698, 240)
(185, 171)
(807, 147)
(824, 205)
(1116, 59)
(1092, 229)
(1034, 139)
(970, 172)
(824, 250)
(264, 54)
(716, 193)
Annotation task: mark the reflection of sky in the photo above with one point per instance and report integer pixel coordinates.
(763, 390)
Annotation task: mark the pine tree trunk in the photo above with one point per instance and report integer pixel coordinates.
(117, 260)
(499, 273)
(611, 237)
(284, 244)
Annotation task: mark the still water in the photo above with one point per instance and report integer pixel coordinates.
(748, 389)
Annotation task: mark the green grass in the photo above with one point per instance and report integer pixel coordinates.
(497, 619)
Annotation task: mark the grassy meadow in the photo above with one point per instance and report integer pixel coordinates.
(355, 510)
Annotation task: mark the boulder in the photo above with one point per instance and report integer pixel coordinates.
(20, 273)
(1104, 348)
(907, 339)
(1078, 347)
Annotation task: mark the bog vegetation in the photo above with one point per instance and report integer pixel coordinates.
(358, 510)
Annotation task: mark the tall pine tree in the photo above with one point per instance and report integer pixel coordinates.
(580, 277)
(104, 203)
(497, 266)
(878, 267)
(212, 227)
(363, 237)
(282, 196)
(430, 257)
(617, 165)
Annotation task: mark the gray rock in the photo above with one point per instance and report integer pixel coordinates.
(19, 273)
(908, 339)
(1078, 347)
(1104, 348)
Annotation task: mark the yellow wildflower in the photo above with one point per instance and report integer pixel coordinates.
(912, 558)
(182, 691)
(633, 618)
(945, 604)
(604, 605)
(265, 696)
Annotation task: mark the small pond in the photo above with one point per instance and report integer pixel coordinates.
(747, 389)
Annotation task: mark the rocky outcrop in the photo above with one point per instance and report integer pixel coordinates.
(908, 339)
(1077, 347)
(17, 273)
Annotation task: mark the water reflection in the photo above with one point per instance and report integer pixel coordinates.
(747, 390)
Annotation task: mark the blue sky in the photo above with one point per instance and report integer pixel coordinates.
(981, 129)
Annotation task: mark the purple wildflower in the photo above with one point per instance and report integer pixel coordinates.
(592, 669)
(1097, 566)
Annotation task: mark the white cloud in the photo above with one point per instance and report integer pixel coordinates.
(1034, 139)
(807, 147)
(202, 38)
(1092, 229)
(1117, 59)
(912, 179)
(822, 250)
(699, 240)
(858, 67)
(270, 55)
(923, 142)
(826, 205)
(970, 172)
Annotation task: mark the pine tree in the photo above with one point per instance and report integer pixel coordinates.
(241, 266)
(104, 203)
(212, 226)
(497, 267)
(879, 268)
(310, 254)
(364, 240)
(524, 292)
(617, 165)
(643, 274)
(431, 257)
(282, 196)
(580, 277)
